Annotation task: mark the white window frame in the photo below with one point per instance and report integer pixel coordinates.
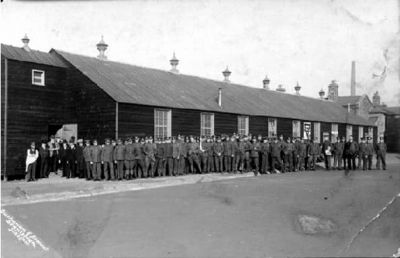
(203, 128)
(162, 123)
(305, 135)
(42, 77)
(349, 131)
(360, 133)
(296, 128)
(317, 132)
(243, 120)
(272, 126)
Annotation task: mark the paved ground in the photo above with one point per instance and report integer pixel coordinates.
(295, 214)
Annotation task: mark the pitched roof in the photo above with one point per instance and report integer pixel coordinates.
(33, 56)
(386, 110)
(344, 100)
(133, 84)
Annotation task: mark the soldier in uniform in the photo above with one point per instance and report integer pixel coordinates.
(369, 152)
(313, 153)
(182, 155)
(265, 149)
(54, 148)
(169, 162)
(107, 159)
(129, 159)
(327, 151)
(88, 160)
(255, 148)
(276, 149)
(149, 150)
(218, 149)
(337, 159)
(362, 154)
(119, 159)
(44, 160)
(380, 150)
(80, 165)
(240, 154)
(247, 150)
(210, 158)
(193, 156)
(288, 153)
(203, 154)
(160, 158)
(138, 159)
(95, 154)
(175, 156)
(350, 150)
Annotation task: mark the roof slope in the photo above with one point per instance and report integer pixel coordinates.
(33, 56)
(132, 84)
(344, 100)
(386, 110)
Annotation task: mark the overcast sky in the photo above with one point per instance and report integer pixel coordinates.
(309, 41)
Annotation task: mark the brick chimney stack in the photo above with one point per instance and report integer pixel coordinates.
(353, 79)
(333, 91)
(26, 40)
(376, 99)
(102, 47)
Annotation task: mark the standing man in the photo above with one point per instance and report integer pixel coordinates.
(80, 160)
(380, 150)
(288, 153)
(203, 153)
(169, 162)
(327, 151)
(276, 149)
(369, 152)
(129, 159)
(350, 150)
(44, 160)
(265, 149)
(88, 160)
(362, 154)
(119, 159)
(240, 155)
(138, 159)
(337, 160)
(193, 156)
(150, 159)
(182, 155)
(107, 159)
(218, 151)
(255, 148)
(32, 154)
(175, 156)
(95, 154)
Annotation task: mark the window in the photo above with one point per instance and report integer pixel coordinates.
(162, 123)
(317, 132)
(360, 133)
(349, 131)
(206, 124)
(307, 130)
(272, 124)
(243, 125)
(38, 77)
(335, 132)
(296, 129)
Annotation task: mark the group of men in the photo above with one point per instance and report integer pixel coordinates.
(143, 157)
(347, 152)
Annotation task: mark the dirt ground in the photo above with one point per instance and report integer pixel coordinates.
(295, 214)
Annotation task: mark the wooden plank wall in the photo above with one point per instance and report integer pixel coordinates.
(93, 110)
(284, 127)
(258, 125)
(31, 109)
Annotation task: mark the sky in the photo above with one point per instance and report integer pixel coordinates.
(308, 41)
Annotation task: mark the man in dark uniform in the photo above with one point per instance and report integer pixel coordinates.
(193, 156)
(210, 157)
(265, 149)
(350, 150)
(138, 159)
(169, 162)
(218, 149)
(276, 149)
(80, 165)
(203, 154)
(255, 148)
(380, 150)
(327, 151)
(88, 160)
(369, 152)
(182, 155)
(362, 154)
(119, 159)
(296, 147)
(338, 147)
(175, 156)
(160, 158)
(240, 155)
(95, 154)
(107, 159)
(149, 149)
(288, 154)
(247, 150)
(44, 160)
(129, 159)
